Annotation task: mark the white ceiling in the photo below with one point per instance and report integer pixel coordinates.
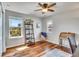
(29, 7)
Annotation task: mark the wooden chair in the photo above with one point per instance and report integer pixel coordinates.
(71, 38)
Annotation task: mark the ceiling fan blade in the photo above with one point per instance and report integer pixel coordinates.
(38, 9)
(50, 10)
(52, 5)
(40, 4)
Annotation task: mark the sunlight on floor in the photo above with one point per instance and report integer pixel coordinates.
(21, 48)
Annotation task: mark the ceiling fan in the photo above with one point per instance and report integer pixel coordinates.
(45, 7)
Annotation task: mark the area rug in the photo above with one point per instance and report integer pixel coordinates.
(56, 53)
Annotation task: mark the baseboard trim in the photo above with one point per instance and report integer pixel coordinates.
(16, 46)
(0, 54)
(52, 42)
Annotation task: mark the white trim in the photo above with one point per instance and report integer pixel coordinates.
(16, 37)
(0, 54)
(52, 42)
(39, 0)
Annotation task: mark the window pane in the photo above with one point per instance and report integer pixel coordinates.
(15, 27)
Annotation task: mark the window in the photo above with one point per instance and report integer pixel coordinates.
(15, 27)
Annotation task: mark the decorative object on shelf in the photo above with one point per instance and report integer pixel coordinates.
(29, 32)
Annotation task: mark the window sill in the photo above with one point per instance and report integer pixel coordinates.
(16, 37)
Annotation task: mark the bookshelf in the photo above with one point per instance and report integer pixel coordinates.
(29, 32)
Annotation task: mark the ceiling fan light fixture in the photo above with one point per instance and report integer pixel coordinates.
(45, 7)
(44, 10)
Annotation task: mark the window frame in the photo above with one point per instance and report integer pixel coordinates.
(13, 17)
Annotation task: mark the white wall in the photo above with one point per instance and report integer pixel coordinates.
(0, 34)
(63, 22)
(19, 41)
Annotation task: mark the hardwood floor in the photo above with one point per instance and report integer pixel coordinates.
(37, 50)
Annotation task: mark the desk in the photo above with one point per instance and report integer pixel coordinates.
(71, 39)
